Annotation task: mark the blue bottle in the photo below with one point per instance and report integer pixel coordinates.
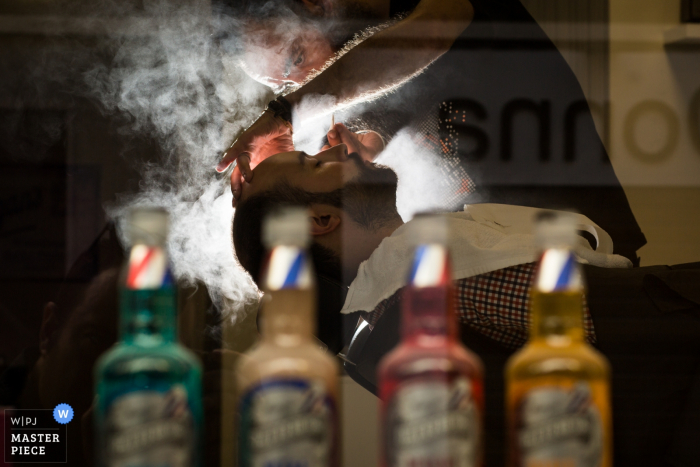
(149, 402)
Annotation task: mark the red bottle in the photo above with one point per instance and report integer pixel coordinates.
(430, 385)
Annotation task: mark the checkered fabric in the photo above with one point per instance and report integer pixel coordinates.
(373, 316)
(496, 304)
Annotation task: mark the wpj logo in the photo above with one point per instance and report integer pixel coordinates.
(63, 413)
(38, 435)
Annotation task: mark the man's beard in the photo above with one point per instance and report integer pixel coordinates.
(370, 198)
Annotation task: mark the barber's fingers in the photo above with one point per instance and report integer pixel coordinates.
(368, 144)
(236, 185)
(229, 157)
(333, 136)
(339, 134)
(244, 166)
(236, 153)
(349, 138)
(240, 172)
(263, 128)
(372, 142)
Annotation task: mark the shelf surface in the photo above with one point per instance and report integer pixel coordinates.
(684, 34)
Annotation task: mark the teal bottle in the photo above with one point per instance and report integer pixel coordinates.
(148, 411)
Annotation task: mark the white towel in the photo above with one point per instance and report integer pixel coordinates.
(482, 238)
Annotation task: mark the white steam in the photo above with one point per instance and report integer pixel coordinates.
(200, 245)
(168, 81)
(422, 183)
(171, 83)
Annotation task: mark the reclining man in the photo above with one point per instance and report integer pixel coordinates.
(464, 76)
(645, 320)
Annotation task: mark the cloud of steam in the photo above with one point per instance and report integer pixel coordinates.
(200, 245)
(167, 80)
(422, 183)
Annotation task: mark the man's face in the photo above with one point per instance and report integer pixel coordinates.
(362, 195)
(283, 52)
(281, 57)
(367, 190)
(324, 172)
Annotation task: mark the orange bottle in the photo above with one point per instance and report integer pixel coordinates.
(557, 396)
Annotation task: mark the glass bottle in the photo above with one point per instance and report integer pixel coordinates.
(557, 395)
(288, 386)
(149, 404)
(430, 385)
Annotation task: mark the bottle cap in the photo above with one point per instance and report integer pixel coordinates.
(147, 225)
(428, 228)
(555, 229)
(287, 226)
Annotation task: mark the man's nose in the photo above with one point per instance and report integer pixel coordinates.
(338, 153)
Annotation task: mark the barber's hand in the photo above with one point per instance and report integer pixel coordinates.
(267, 136)
(367, 144)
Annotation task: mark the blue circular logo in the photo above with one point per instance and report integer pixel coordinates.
(63, 413)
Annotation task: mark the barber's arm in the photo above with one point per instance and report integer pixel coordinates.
(379, 64)
(392, 56)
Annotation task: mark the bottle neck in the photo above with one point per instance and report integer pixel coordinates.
(287, 312)
(557, 299)
(148, 314)
(428, 302)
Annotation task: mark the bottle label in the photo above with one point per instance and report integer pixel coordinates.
(288, 423)
(559, 426)
(433, 424)
(150, 428)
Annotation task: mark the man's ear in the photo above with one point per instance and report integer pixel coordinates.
(324, 220)
(49, 326)
(318, 8)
